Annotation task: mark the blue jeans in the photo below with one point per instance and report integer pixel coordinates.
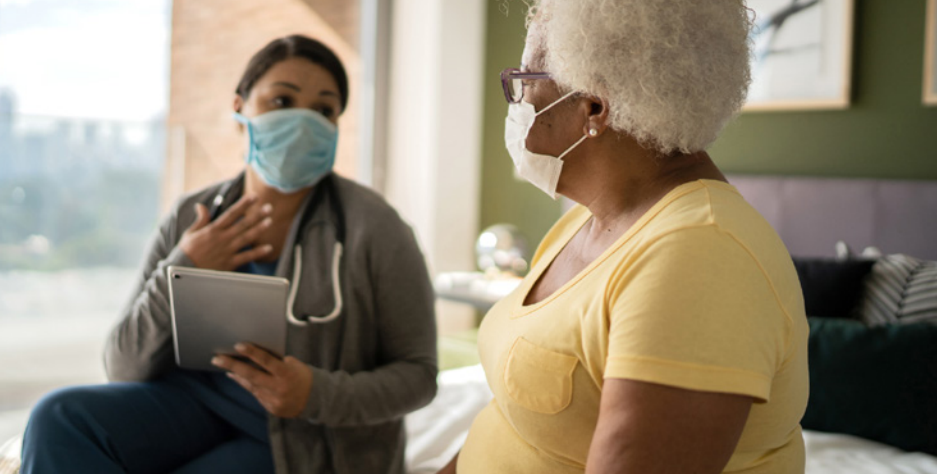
(182, 423)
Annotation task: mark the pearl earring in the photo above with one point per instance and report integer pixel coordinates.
(593, 132)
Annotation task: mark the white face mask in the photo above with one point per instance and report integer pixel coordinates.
(543, 171)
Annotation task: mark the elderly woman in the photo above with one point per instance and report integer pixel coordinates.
(661, 328)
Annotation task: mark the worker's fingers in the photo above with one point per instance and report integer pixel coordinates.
(250, 235)
(235, 212)
(256, 377)
(201, 219)
(268, 361)
(261, 394)
(250, 255)
(251, 218)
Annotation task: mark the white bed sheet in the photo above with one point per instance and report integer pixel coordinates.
(436, 432)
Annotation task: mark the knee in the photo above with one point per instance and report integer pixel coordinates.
(59, 409)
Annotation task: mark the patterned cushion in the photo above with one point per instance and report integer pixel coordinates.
(900, 289)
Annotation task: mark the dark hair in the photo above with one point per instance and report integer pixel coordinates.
(293, 46)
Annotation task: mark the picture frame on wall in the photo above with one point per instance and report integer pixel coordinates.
(802, 54)
(930, 54)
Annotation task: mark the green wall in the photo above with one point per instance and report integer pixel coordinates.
(505, 199)
(885, 133)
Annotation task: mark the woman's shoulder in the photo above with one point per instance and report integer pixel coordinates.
(706, 204)
(357, 197)
(364, 208)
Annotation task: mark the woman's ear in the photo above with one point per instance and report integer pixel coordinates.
(237, 105)
(597, 121)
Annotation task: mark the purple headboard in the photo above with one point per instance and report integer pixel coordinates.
(812, 214)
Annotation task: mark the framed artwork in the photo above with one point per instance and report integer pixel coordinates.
(802, 54)
(930, 55)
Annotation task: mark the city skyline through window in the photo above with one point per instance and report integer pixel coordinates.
(83, 101)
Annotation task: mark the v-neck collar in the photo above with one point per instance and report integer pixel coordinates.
(519, 309)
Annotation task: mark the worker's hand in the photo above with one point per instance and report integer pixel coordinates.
(219, 245)
(282, 390)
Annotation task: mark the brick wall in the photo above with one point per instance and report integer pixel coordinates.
(212, 40)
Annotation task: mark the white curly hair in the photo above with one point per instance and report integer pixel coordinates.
(674, 72)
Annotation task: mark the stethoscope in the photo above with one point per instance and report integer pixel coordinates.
(326, 185)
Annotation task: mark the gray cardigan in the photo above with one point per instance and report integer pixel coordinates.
(371, 366)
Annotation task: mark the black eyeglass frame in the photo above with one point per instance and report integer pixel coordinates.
(514, 74)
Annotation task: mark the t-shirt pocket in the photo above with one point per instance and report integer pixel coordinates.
(539, 379)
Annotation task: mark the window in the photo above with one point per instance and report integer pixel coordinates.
(83, 99)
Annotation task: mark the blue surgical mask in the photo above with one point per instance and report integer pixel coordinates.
(291, 148)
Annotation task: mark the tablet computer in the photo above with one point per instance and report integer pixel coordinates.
(212, 311)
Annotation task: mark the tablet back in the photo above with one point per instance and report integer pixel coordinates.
(212, 311)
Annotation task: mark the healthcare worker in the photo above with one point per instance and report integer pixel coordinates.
(361, 340)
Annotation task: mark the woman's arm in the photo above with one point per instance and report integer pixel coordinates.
(406, 327)
(140, 345)
(650, 428)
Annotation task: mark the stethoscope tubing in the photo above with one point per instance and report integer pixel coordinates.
(336, 288)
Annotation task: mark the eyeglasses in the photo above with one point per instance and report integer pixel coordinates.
(512, 82)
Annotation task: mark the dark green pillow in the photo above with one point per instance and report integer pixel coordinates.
(879, 383)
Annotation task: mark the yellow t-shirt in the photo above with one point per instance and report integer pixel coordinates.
(699, 294)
